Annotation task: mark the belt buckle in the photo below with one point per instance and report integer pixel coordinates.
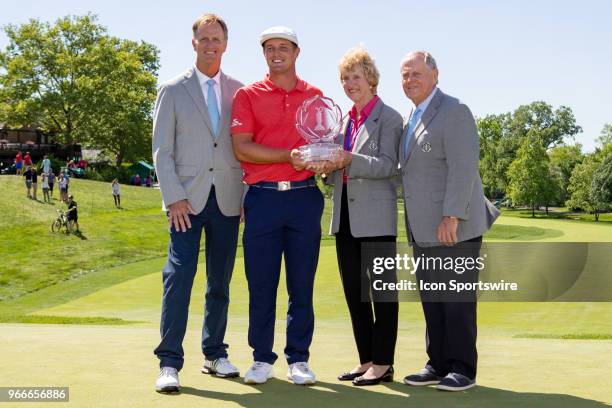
(284, 185)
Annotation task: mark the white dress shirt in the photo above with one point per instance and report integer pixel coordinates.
(204, 86)
(203, 80)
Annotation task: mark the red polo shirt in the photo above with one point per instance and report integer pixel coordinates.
(268, 112)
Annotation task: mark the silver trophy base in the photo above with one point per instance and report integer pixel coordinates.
(319, 152)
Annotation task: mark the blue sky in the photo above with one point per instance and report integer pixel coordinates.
(494, 56)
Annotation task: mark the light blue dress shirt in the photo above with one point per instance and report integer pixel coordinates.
(415, 118)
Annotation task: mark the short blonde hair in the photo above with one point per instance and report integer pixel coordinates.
(359, 57)
(209, 19)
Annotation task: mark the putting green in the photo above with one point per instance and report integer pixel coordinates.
(102, 361)
(113, 366)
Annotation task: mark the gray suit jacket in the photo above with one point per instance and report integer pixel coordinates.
(371, 190)
(440, 175)
(186, 153)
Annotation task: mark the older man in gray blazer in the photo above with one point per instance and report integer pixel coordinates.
(446, 214)
(201, 186)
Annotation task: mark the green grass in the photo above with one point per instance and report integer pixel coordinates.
(560, 213)
(44, 319)
(35, 258)
(523, 233)
(111, 238)
(96, 321)
(570, 336)
(510, 368)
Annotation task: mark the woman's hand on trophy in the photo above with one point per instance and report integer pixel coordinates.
(329, 167)
(321, 166)
(342, 159)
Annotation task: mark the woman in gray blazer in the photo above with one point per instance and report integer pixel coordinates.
(365, 210)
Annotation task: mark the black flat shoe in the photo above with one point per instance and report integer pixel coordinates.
(386, 377)
(349, 376)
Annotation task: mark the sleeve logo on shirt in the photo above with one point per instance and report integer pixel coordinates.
(235, 123)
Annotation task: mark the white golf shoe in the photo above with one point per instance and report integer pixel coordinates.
(259, 373)
(220, 367)
(168, 380)
(301, 374)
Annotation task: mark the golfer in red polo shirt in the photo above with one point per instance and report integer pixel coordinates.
(282, 207)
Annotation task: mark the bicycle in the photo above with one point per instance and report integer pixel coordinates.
(62, 221)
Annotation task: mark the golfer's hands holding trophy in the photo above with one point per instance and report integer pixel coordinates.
(319, 120)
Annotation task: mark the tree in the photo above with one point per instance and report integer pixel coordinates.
(76, 81)
(530, 181)
(502, 135)
(601, 185)
(550, 126)
(563, 159)
(605, 138)
(44, 66)
(490, 131)
(124, 94)
(579, 187)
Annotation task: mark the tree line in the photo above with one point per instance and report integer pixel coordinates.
(524, 159)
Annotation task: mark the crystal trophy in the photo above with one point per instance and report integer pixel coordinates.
(319, 121)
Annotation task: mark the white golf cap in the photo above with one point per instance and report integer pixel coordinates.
(285, 33)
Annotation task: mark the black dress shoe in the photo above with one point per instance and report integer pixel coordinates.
(349, 376)
(386, 377)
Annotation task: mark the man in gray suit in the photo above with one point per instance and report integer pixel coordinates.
(201, 185)
(446, 214)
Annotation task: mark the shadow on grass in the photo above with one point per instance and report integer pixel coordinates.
(282, 393)
(79, 235)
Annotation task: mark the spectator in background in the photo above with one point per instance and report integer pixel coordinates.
(137, 180)
(28, 181)
(34, 182)
(148, 181)
(82, 164)
(19, 163)
(51, 177)
(63, 187)
(116, 195)
(46, 164)
(67, 177)
(45, 187)
(27, 160)
(73, 214)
